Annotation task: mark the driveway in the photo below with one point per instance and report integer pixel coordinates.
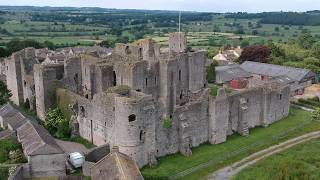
(229, 171)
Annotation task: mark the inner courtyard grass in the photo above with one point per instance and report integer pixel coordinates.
(213, 157)
(299, 162)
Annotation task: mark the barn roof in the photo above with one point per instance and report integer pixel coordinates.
(297, 74)
(116, 166)
(12, 116)
(230, 72)
(36, 140)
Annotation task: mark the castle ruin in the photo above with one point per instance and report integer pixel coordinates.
(148, 101)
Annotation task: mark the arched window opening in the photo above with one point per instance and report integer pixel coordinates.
(179, 75)
(75, 78)
(181, 95)
(132, 118)
(140, 52)
(128, 50)
(146, 82)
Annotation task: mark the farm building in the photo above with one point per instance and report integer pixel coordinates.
(45, 157)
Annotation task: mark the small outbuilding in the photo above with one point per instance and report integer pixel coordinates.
(45, 157)
(116, 166)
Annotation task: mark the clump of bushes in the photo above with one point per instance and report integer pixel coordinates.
(57, 124)
(313, 102)
(316, 114)
(11, 152)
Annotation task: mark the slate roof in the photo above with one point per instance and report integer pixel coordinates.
(282, 80)
(116, 166)
(36, 140)
(12, 116)
(230, 72)
(272, 70)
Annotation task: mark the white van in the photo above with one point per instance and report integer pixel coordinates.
(76, 159)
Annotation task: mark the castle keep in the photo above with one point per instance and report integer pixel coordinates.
(147, 101)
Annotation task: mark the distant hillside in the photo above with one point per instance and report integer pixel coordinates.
(311, 18)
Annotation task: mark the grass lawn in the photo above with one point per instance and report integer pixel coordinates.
(214, 157)
(299, 162)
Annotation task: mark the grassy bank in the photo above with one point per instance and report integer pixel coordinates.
(213, 157)
(298, 162)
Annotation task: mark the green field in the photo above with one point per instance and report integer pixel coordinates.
(64, 32)
(299, 162)
(234, 149)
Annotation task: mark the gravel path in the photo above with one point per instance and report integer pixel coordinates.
(229, 171)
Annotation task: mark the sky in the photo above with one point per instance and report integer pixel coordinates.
(184, 5)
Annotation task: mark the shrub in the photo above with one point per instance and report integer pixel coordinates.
(57, 124)
(8, 145)
(316, 114)
(211, 74)
(5, 94)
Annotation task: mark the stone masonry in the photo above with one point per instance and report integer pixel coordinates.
(148, 101)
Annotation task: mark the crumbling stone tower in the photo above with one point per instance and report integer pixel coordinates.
(177, 42)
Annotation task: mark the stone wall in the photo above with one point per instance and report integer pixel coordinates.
(14, 78)
(177, 42)
(46, 84)
(47, 165)
(134, 129)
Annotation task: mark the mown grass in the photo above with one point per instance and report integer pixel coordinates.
(235, 148)
(299, 162)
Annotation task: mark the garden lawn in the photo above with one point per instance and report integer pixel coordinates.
(299, 162)
(235, 148)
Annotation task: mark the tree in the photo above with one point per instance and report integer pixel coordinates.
(255, 32)
(244, 43)
(212, 41)
(257, 53)
(17, 44)
(4, 52)
(315, 51)
(107, 43)
(277, 29)
(49, 45)
(5, 94)
(276, 50)
(211, 72)
(306, 40)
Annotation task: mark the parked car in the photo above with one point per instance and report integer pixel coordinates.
(76, 159)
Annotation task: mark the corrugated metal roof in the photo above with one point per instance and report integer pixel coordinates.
(230, 72)
(272, 70)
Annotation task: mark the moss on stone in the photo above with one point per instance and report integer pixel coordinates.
(167, 123)
(122, 90)
(63, 101)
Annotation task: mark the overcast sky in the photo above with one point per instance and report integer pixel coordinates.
(193, 5)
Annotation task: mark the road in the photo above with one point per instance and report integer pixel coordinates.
(229, 171)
